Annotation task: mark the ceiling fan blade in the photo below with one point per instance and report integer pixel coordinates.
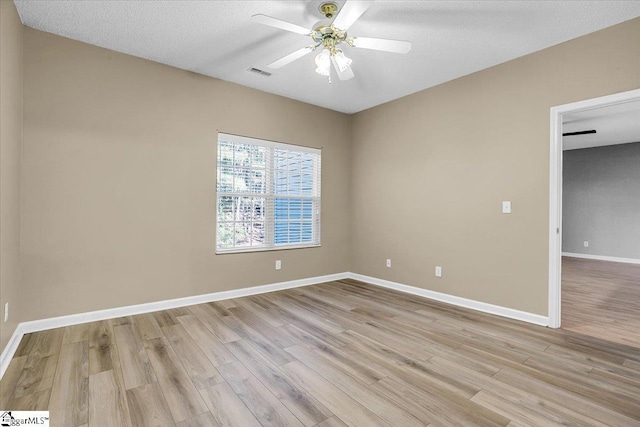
(350, 12)
(395, 46)
(278, 23)
(291, 57)
(342, 75)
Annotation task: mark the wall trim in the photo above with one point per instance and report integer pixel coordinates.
(10, 349)
(602, 257)
(92, 316)
(458, 301)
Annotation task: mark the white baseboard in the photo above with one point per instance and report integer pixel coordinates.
(10, 349)
(459, 301)
(602, 258)
(92, 316)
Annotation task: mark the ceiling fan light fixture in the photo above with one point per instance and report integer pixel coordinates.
(323, 63)
(328, 34)
(342, 61)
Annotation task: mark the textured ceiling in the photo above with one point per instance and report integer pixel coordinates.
(615, 124)
(217, 38)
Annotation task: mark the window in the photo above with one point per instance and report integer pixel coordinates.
(268, 195)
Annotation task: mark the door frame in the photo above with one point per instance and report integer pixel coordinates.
(555, 190)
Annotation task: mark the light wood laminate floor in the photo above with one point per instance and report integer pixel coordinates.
(601, 299)
(340, 353)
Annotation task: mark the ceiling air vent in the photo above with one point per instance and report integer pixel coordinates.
(259, 71)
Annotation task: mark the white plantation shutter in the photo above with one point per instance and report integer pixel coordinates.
(268, 195)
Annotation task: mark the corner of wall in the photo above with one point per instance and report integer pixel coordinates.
(11, 135)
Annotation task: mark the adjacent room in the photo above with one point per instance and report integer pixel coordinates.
(317, 213)
(601, 223)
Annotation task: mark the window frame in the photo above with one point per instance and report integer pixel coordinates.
(270, 195)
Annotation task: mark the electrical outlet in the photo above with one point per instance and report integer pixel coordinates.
(438, 271)
(586, 243)
(278, 265)
(388, 263)
(6, 312)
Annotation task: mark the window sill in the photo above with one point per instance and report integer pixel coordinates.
(270, 249)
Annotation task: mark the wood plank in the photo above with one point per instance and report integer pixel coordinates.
(536, 408)
(166, 317)
(163, 319)
(148, 407)
(199, 368)
(124, 320)
(619, 366)
(268, 349)
(328, 298)
(179, 311)
(107, 401)
(357, 390)
(632, 364)
(202, 420)
(103, 354)
(260, 310)
(38, 401)
(314, 311)
(147, 326)
(341, 404)
(37, 374)
(76, 333)
(566, 398)
(306, 408)
(68, 404)
(267, 409)
(10, 379)
(215, 351)
(437, 407)
(181, 395)
(520, 413)
(42, 344)
(309, 334)
(350, 366)
(219, 309)
(134, 360)
(227, 408)
(302, 314)
(412, 371)
(225, 303)
(331, 422)
(214, 322)
(275, 335)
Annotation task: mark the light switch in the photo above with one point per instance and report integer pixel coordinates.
(506, 207)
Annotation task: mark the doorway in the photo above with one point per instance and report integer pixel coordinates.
(559, 115)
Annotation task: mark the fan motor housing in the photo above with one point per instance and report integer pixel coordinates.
(325, 32)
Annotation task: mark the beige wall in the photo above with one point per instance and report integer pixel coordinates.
(430, 171)
(119, 180)
(10, 154)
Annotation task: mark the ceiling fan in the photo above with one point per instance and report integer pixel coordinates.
(329, 36)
